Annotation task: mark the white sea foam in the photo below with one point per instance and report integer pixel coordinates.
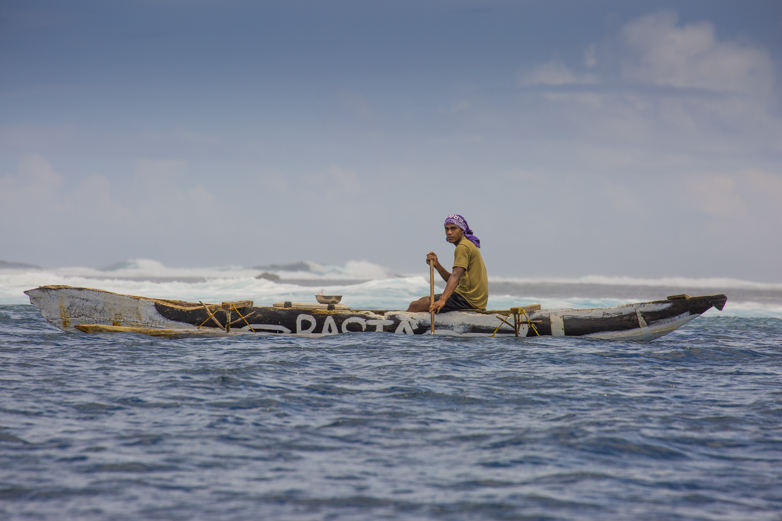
(392, 293)
(352, 270)
(674, 282)
(747, 309)
(381, 289)
(154, 270)
(364, 270)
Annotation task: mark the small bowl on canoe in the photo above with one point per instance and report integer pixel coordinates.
(328, 299)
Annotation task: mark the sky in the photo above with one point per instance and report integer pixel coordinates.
(607, 137)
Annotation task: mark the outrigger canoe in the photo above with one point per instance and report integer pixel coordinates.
(96, 311)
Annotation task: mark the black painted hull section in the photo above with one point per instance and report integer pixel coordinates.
(575, 323)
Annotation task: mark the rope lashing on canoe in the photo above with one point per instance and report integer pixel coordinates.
(226, 320)
(530, 322)
(515, 320)
(245, 320)
(210, 316)
(498, 327)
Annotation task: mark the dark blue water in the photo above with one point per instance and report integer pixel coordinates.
(390, 427)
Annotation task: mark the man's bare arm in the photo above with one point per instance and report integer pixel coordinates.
(445, 274)
(450, 287)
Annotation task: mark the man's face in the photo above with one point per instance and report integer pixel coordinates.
(453, 233)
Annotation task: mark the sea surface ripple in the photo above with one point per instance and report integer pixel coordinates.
(383, 426)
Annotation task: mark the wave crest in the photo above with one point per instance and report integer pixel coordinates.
(722, 283)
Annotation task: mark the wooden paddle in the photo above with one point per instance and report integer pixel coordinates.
(431, 289)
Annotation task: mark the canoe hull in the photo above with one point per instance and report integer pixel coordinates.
(68, 307)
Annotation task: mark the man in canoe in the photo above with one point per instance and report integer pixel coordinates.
(467, 287)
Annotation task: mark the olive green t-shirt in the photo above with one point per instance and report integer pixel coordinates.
(474, 284)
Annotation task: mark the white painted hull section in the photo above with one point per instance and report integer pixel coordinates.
(66, 308)
(645, 334)
(454, 323)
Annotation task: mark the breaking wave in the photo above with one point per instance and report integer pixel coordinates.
(367, 285)
(304, 270)
(722, 283)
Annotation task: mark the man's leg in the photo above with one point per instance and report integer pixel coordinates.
(455, 302)
(419, 306)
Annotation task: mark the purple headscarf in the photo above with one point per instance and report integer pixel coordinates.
(461, 222)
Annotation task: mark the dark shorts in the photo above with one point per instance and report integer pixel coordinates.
(454, 303)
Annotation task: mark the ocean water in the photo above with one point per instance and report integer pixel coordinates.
(387, 426)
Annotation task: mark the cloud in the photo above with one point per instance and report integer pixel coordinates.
(590, 56)
(345, 180)
(185, 136)
(748, 198)
(658, 52)
(161, 168)
(26, 136)
(665, 95)
(35, 188)
(624, 199)
(271, 181)
(716, 195)
(44, 215)
(335, 182)
(41, 212)
(36, 173)
(553, 73)
(166, 195)
(676, 143)
(456, 107)
(653, 51)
